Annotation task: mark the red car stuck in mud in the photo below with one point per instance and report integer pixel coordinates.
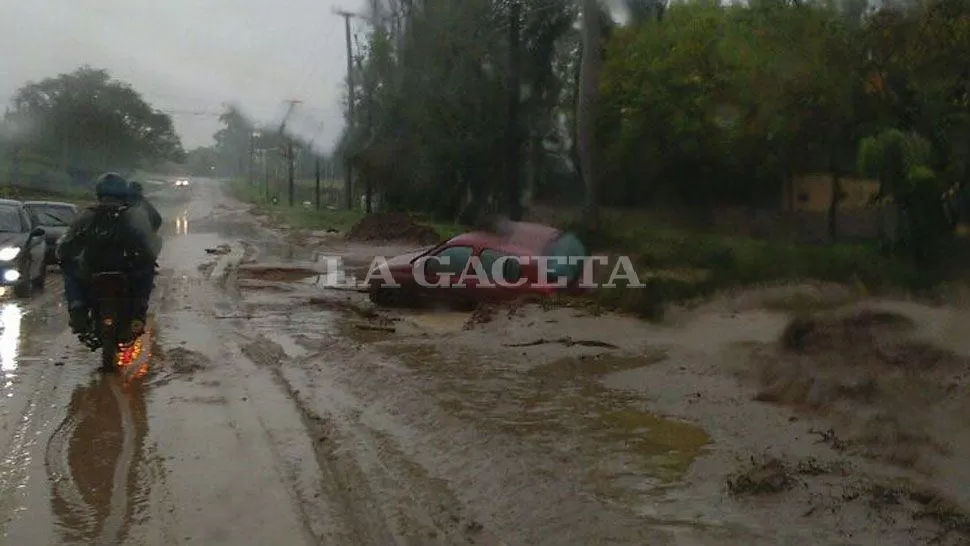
(507, 265)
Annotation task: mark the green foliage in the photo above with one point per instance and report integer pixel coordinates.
(678, 266)
(430, 126)
(702, 103)
(720, 104)
(899, 161)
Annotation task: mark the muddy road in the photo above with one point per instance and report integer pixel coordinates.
(278, 410)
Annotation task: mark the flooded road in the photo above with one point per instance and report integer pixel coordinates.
(185, 454)
(276, 410)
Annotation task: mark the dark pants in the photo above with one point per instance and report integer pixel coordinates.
(77, 287)
(74, 285)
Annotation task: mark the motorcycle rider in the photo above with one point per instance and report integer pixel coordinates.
(108, 236)
(138, 200)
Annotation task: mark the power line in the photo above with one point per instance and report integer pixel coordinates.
(176, 112)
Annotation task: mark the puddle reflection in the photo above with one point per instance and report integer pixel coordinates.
(11, 316)
(182, 223)
(95, 463)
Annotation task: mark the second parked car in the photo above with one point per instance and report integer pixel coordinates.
(55, 217)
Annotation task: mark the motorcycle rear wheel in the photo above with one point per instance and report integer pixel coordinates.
(109, 357)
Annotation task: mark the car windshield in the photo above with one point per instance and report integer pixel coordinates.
(52, 215)
(10, 220)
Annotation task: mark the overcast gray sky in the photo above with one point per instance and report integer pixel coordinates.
(190, 56)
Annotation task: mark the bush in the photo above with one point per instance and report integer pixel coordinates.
(680, 266)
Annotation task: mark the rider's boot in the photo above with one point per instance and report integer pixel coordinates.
(79, 321)
(138, 320)
(137, 327)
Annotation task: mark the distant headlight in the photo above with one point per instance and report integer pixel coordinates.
(8, 253)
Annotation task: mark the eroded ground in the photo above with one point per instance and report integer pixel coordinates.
(279, 409)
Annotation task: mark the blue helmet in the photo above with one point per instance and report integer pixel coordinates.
(112, 185)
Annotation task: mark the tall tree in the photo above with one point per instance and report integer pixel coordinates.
(89, 122)
(592, 65)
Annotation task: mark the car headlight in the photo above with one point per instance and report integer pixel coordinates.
(8, 253)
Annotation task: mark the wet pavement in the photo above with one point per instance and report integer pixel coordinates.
(187, 453)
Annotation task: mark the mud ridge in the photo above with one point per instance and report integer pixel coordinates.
(394, 226)
(343, 478)
(879, 386)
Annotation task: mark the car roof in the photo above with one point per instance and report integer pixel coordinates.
(11, 202)
(51, 203)
(517, 236)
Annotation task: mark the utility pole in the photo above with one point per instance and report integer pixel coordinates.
(289, 172)
(368, 91)
(348, 175)
(289, 152)
(513, 152)
(265, 158)
(252, 158)
(316, 166)
(586, 104)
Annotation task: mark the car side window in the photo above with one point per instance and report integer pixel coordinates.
(456, 257)
(510, 270)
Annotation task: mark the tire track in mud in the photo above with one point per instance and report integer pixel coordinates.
(340, 488)
(386, 497)
(351, 502)
(243, 392)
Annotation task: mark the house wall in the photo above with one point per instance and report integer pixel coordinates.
(814, 192)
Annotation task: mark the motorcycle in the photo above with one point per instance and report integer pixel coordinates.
(111, 315)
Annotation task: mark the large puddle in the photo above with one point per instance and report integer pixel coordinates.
(94, 463)
(625, 448)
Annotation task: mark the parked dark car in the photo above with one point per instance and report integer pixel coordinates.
(22, 249)
(521, 242)
(55, 217)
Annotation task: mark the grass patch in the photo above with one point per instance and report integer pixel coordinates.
(312, 219)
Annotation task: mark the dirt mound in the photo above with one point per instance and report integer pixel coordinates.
(819, 334)
(867, 338)
(393, 226)
(865, 372)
